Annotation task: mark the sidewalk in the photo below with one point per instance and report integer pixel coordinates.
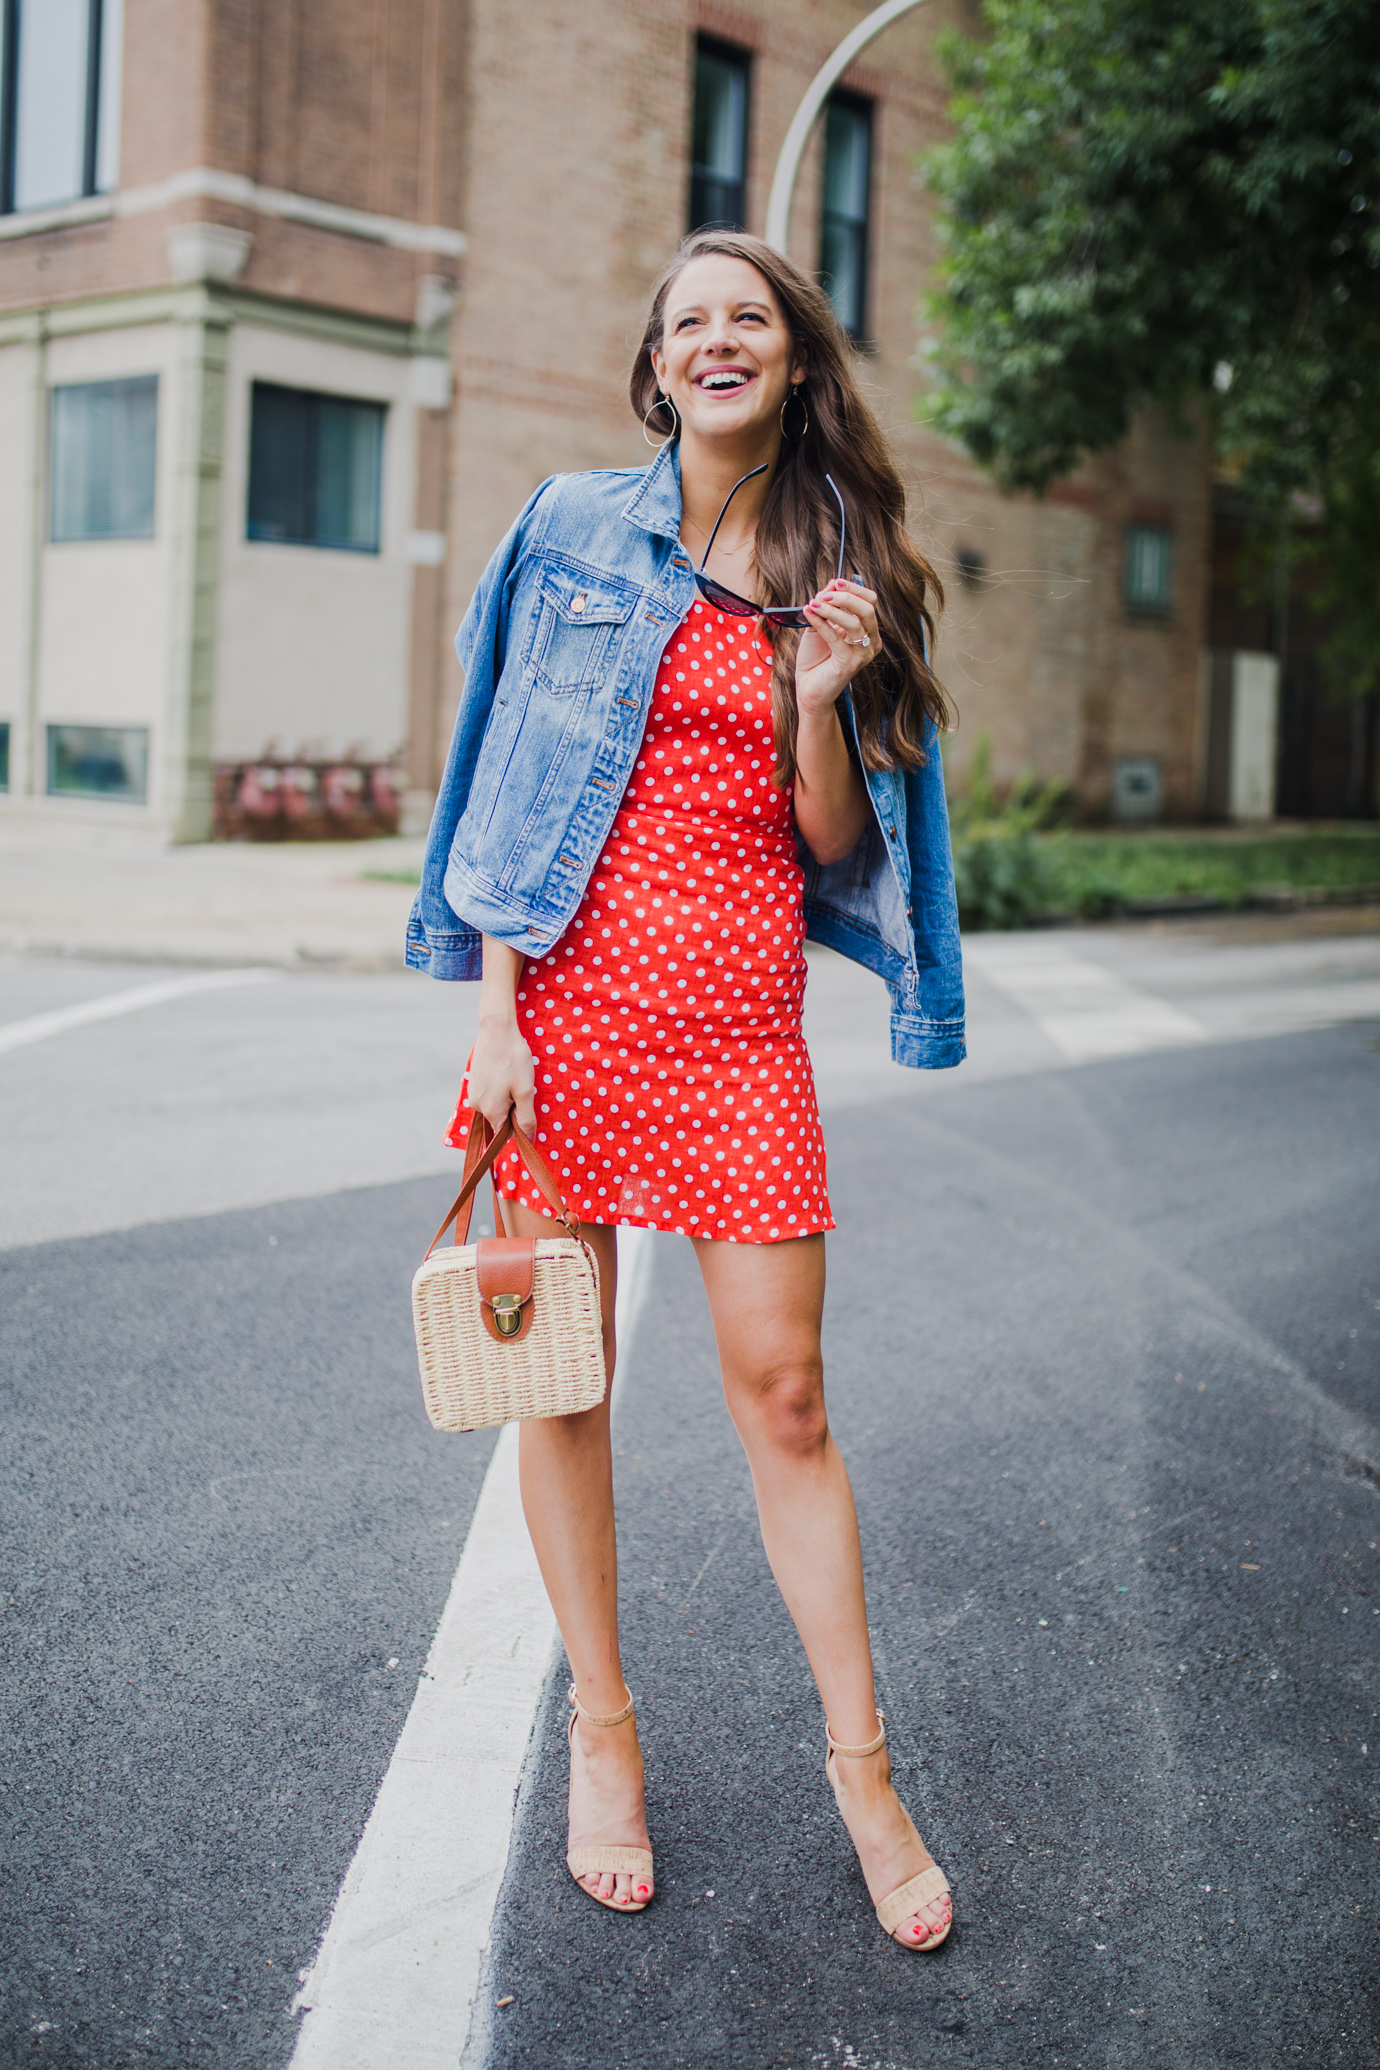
(92, 893)
(88, 892)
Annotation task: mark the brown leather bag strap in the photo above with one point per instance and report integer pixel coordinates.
(479, 1158)
(480, 1130)
(480, 1153)
(541, 1172)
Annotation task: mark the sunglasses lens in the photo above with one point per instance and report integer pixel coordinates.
(725, 599)
(729, 601)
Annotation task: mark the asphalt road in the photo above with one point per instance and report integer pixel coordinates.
(1093, 1366)
(1104, 1357)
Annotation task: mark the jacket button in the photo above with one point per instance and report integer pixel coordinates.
(891, 833)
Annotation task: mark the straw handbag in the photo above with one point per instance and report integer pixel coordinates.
(507, 1328)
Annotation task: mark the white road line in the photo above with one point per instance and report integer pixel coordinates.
(39, 1026)
(1086, 1010)
(635, 1254)
(393, 1984)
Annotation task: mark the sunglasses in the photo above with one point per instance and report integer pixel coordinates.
(742, 607)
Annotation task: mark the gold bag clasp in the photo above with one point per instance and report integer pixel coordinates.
(507, 1314)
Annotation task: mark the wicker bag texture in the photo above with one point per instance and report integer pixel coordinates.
(507, 1328)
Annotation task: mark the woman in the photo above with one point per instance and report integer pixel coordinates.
(615, 849)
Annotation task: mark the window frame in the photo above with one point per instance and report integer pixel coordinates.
(52, 537)
(858, 104)
(101, 17)
(54, 728)
(734, 55)
(313, 398)
(1156, 610)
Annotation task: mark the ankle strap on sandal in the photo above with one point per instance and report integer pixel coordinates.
(873, 1746)
(613, 1717)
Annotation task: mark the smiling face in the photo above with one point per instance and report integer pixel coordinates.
(726, 358)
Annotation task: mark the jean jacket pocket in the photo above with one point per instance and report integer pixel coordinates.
(577, 620)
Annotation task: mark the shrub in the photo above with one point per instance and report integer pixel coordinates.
(999, 874)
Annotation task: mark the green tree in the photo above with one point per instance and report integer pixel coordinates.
(1174, 201)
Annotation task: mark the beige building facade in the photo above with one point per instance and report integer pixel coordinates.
(301, 304)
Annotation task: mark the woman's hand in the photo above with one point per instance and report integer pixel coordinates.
(832, 808)
(502, 1076)
(843, 637)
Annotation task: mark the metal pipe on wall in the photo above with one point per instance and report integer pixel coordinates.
(803, 121)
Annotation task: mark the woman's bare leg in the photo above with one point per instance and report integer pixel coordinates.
(767, 1302)
(566, 1468)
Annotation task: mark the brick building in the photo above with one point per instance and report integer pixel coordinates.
(297, 305)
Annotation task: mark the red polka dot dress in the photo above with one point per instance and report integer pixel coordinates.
(674, 1089)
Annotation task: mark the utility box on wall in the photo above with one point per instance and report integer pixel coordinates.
(1137, 790)
(1242, 736)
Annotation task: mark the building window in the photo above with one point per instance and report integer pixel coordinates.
(105, 447)
(60, 75)
(315, 469)
(718, 155)
(844, 218)
(99, 762)
(1149, 579)
(4, 754)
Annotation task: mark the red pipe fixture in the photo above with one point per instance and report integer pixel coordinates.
(343, 789)
(260, 794)
(385, 789)
(299, 791)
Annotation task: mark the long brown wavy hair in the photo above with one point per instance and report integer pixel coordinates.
(796, 547)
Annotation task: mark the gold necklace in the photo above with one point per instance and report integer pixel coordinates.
(727, 551)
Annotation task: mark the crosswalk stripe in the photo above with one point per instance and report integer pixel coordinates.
(1085, 1009)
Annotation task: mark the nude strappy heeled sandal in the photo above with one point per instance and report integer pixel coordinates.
(606, 1861)
(921, 1890)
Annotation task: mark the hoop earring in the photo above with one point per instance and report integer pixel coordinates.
(795, 396)
(661, 399)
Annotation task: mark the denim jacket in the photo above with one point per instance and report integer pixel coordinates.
(560, 648)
